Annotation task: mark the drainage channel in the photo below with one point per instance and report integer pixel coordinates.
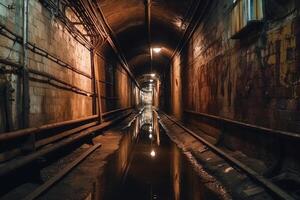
(156, 168)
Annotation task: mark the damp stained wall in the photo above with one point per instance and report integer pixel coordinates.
(49, 102)
(255, 79)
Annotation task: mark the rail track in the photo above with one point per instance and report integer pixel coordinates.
(273, 189)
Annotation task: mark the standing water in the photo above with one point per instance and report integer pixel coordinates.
(148, 172)
(156, 168)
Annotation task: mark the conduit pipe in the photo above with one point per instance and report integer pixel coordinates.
(23, 132)
(25, 78)
(19, 162)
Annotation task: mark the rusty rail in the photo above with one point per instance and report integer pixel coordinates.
(274, 189)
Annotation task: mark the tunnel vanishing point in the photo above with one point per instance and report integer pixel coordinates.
(149, 99)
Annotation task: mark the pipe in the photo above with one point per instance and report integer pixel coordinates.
(25, 79)
(22, 161)
(35, 49)
(76, 34)
(23, 132)
(8, 108)
(115, 111)
(29, 142)
(49, 77)
(13, 153)
(191, 29)
(92, 56)
(111, 40)
(290, 135)
(99, 101)
(64, 134)
(75, 88)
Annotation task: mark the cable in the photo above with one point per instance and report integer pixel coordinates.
(10, 7)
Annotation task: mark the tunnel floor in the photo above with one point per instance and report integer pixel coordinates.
(152, 167)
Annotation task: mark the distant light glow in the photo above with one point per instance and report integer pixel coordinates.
(228, 169)
(156, 49)
(150, 136)
(152, 75)
(151, 80)
(152, 153)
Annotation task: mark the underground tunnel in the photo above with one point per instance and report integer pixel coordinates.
(149, 99)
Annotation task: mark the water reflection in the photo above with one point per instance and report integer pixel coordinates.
(155, 167)
(148, 175)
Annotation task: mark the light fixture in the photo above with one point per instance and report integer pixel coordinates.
(150, 136)
(151, 80)
(152, 75)
(152, 153)
(156, 49)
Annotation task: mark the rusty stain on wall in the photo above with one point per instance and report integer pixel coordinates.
(254, 79)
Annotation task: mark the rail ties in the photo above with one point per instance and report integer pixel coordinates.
(264, 182)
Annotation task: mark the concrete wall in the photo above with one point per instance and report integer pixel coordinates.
(176, 86)
(254, 79)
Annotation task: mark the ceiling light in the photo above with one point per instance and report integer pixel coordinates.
(152, 75)
(151, 80)
(156, 49)
(150, 136)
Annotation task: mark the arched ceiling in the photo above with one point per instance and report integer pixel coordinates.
(127, 19)
(122, 14)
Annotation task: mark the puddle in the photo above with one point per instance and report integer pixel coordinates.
(155, 167)
(148, 173)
